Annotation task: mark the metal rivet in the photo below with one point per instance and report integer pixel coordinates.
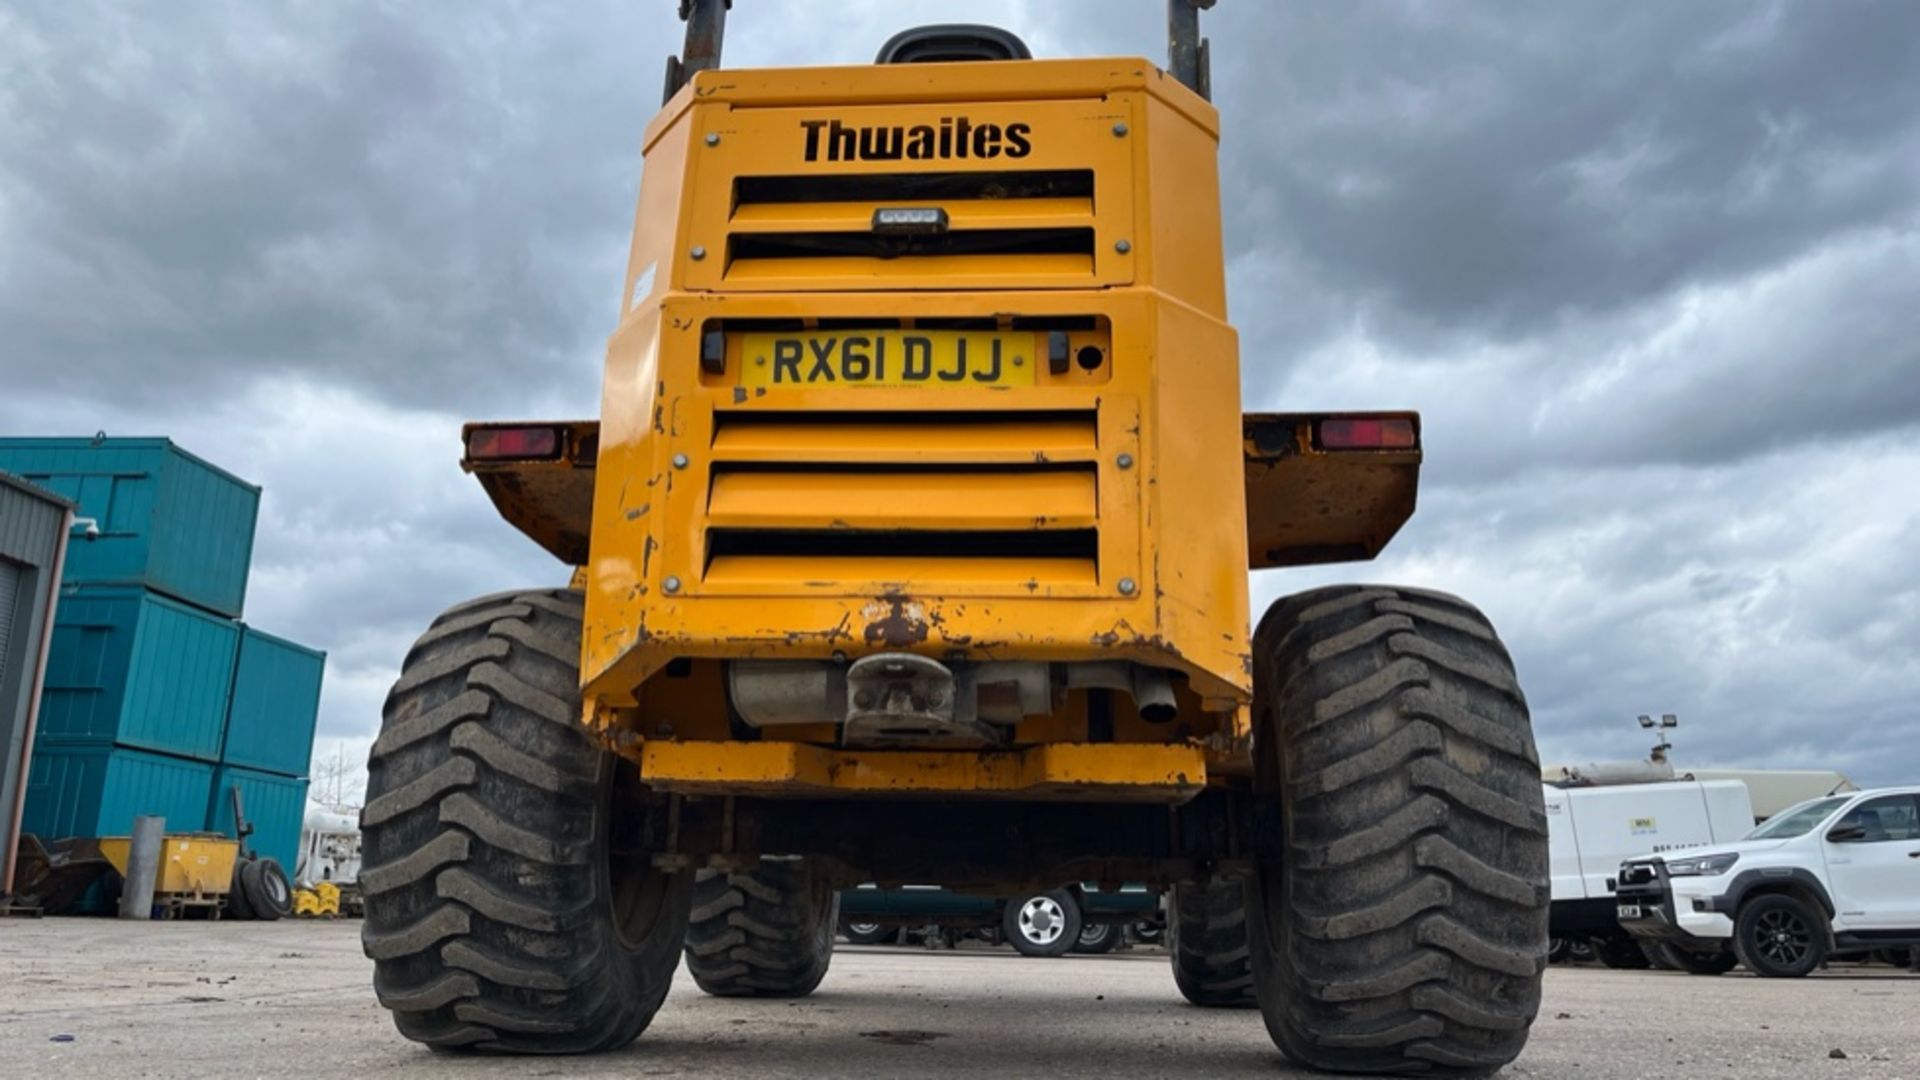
(698, 252)
(1120, 128)
(1127, 586)
(1120, 246)
(760, 361)
(1125, 461)
(672, 584)
(713, 138)
(863, 699)
(1019, 361)
(679, 461)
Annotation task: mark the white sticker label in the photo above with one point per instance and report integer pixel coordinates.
(643, 285)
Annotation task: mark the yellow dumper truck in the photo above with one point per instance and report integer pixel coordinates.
(912, 546)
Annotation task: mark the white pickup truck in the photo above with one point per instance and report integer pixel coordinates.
(1592, 830)
(1840, 873)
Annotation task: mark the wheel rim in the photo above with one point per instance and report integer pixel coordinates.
(863, 928)
(1095, 934)
(1042, 920)
(1782, 937)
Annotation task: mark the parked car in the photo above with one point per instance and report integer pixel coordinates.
(1080, 917)
(1835, 874)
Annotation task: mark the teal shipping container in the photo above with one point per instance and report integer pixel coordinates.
(168, 521)
(276, 703)
(276, 807)
(135, 669)
(99, 790)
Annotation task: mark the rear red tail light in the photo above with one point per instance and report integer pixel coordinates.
(1368, 433)
(486, 444)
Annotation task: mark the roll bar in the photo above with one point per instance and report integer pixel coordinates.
(1187, 52)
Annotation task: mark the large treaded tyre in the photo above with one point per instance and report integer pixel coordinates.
(1207, 928)
(1405, 930)
(507, 908)
(765, 932)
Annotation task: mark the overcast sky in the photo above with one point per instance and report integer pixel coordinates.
(1651, 271)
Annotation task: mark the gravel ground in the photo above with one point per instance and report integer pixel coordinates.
(90, 997)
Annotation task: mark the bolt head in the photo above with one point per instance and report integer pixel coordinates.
(1120, 129)
(864, 699)
(672, 584)
(713, 138)
(1127, 587)
(679, 461)
(1125, 461)
(1120, 246)
(698, 252)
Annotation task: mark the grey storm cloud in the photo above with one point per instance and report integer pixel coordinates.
(1648, 270)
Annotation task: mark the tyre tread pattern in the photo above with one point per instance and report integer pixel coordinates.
(488, 914)
(1207, 941)
(761, 932)
(1407, 931)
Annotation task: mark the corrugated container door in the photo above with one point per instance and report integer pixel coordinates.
(275, 806)
(135, 669)
(98, 791)
(168, 520)
(276, 702)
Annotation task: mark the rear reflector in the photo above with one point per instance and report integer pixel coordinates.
(1375, 433)
(487, 444)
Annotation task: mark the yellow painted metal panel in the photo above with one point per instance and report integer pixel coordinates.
(190, 863)
(903, 500)
(1039, 213)
(1008, 439)
(952, 84)
(952, 271)
(760, 573)
(1164, 398)
(1306, 505)
(1147, 772)
(773, 141)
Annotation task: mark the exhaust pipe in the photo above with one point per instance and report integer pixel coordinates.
(1150, 688)
(1153, 695)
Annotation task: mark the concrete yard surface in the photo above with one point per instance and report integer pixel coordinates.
(96, 997)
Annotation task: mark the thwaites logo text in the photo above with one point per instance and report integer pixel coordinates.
(952, 137)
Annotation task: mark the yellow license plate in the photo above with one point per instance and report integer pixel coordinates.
(929, 358)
